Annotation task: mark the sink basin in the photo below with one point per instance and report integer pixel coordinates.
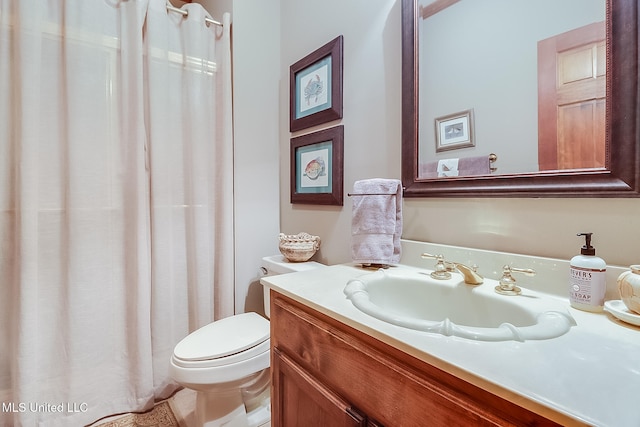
(412, 299)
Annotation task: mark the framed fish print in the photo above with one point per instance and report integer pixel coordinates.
(317, 167)
(316, 87)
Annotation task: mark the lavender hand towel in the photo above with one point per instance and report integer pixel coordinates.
(479, 165)
(376, 223)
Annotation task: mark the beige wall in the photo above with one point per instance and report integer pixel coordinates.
(371, 100)
(371, 30)
(256, 71)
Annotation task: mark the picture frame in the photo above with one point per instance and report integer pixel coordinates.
(315, 82)
(317, 162)
(455, 131)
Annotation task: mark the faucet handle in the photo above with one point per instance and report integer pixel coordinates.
(507, 284)
(526, 271)
(440, 271)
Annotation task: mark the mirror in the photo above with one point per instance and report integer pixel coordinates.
(440, 132)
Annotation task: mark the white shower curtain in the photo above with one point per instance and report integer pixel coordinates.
(115, 201)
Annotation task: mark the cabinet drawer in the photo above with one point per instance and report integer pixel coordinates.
(303, 401)
(386, 384)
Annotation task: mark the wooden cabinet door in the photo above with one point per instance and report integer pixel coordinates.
(298, 399)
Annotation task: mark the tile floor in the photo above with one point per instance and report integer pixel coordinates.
(182, 405)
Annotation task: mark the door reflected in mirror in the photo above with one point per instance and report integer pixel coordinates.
(522, 81)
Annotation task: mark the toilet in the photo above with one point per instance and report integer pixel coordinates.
(227, 362)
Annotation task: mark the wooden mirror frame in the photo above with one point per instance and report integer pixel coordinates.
(621, 178)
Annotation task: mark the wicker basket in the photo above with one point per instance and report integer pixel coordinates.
(300, 247)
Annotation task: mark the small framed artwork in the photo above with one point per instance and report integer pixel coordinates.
(455, 131)
(316, 87)
(317, 167)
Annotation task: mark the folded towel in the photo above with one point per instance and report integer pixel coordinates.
(448, 167)
(466, 166)
(376, 223)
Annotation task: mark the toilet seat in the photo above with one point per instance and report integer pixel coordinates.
(227, 341)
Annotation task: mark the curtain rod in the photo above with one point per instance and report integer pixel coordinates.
(185, 13)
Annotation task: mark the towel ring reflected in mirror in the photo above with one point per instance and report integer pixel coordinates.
(619, 178)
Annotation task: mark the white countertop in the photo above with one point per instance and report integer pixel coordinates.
(590, 375)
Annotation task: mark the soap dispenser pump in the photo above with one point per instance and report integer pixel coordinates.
(587, 278)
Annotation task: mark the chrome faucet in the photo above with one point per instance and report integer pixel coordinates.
(442, 269)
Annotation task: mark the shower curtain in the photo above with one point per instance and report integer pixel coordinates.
(116, 201)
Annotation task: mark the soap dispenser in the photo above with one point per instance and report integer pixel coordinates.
(587, 281)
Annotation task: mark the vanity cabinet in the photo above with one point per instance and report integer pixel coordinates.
(326, 373)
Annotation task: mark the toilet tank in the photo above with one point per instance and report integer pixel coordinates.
(278, 264)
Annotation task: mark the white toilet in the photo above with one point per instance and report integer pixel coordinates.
(227, 362)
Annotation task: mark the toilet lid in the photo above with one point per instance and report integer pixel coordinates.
(224, 337)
